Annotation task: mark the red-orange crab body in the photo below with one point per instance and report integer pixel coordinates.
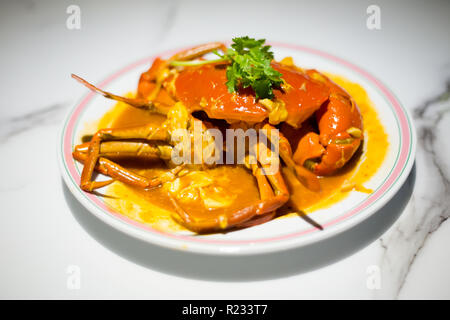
(303, 93)
(204, 88)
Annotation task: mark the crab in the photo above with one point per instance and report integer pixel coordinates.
(307, 101)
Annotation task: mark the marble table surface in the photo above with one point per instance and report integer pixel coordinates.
(52, 248)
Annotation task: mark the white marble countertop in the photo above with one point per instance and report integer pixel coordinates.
(46, 237)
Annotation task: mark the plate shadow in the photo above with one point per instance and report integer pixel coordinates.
(244, 268)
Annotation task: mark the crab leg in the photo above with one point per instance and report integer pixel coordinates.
(129, 149)
(134, 102)
(198, 51)
(270, 201)
(256, 220)
(148, 132)
(117, 172)
(265, 192)
(306, 177)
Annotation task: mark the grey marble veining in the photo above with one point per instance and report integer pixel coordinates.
(10, 127)
(430, 205)
(170, 19)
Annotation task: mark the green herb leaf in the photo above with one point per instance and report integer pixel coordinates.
(250, 67)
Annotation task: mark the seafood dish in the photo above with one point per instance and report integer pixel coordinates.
(225, 137)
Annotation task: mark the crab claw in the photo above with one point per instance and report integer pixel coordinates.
(340, 132)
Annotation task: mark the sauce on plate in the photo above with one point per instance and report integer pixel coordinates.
(153, 207)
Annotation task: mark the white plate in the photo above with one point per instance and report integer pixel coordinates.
(278, 234)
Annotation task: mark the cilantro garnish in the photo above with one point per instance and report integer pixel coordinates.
(249, 67)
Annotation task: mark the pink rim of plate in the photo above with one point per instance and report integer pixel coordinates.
(406, 148)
